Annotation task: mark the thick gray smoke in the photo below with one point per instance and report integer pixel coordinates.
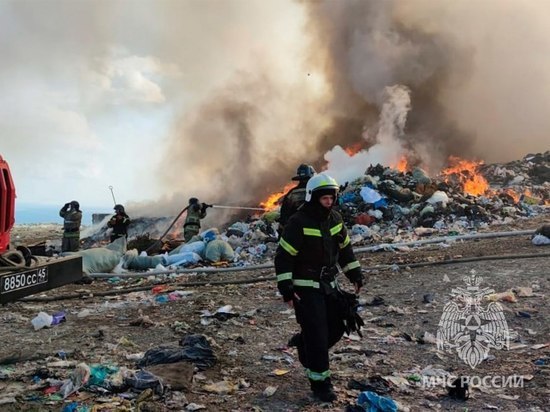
(224, 99)
(461, 101)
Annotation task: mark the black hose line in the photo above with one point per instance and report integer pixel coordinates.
(272, 278)
(159, 240)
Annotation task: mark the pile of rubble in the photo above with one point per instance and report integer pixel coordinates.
(384, 205)
(389, 202)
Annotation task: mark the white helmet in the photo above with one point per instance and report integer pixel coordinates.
(318, 182)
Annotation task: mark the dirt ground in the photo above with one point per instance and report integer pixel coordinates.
(251, 348)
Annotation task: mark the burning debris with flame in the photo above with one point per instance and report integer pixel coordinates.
(466, 173)
(464, 195)
(389, 203)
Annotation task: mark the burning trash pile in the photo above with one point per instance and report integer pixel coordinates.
(387, 202)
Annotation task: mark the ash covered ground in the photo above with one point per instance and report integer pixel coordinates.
(250, 346)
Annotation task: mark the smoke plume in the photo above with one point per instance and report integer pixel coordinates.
(223, 100)
(445, 61)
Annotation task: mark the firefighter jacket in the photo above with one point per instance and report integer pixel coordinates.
(119, 223)
(292, 201)
(313, 243)
(195, 213)
(71, 221)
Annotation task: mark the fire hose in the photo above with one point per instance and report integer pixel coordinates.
(16, 259)
(159, 240)
(176, 286)
(488, 235)
(270, 266)
(238, 207)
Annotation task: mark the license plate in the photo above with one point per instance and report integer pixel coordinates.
(24, 280)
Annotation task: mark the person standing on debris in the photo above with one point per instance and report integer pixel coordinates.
(119, 223)
(72, 217)
(314, 241)
(195, 212)
(296, 196)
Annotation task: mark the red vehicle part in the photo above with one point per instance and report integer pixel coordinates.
(19, 281)
(7, 205)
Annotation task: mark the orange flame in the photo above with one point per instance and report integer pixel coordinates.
(513, 194)
(466, 172)
(272, 201)
(353, 149)
(402, 165)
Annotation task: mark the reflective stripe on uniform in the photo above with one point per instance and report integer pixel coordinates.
(346, 242)
(288, 247)
(317, 376)
(312, 232)
(351, 265)
(308, 283)
(284, 276)
(336, 229)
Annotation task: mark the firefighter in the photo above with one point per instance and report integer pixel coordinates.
(313, 243)
(195, 212)
(119, 223)
(296, 196)
(72, 217)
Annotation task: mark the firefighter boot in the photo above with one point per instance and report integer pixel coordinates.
(323, 390)
(295, 340)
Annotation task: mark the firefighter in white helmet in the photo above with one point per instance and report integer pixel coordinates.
(312, 248)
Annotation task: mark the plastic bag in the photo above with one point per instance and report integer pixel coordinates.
(144, 380)
(181, 259)
(195, 247)
(42, 320)
(143, 262)
(196, 349)
(99, 260)
(369, 195)
(217, 250)
(372, 402)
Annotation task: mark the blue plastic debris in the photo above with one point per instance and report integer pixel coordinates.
(372, 402)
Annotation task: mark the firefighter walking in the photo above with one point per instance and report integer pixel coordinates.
(313, 243)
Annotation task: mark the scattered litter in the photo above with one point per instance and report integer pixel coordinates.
(270, 391)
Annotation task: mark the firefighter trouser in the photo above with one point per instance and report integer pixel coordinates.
(189, 231)
(322, 326)
(70, 244)
(115, 236)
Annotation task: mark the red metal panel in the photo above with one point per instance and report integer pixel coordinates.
(7, 204)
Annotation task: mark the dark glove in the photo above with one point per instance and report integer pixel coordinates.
(66, 206)
(348, 304)
(355, 276)
(286, 288)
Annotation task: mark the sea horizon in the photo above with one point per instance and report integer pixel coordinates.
(33, 213)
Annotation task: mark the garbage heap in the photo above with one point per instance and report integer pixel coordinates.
(384, 205)
(388, 202)
(388, 205)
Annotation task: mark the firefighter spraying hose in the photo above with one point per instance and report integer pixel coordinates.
(237, 207)
(193, 201)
